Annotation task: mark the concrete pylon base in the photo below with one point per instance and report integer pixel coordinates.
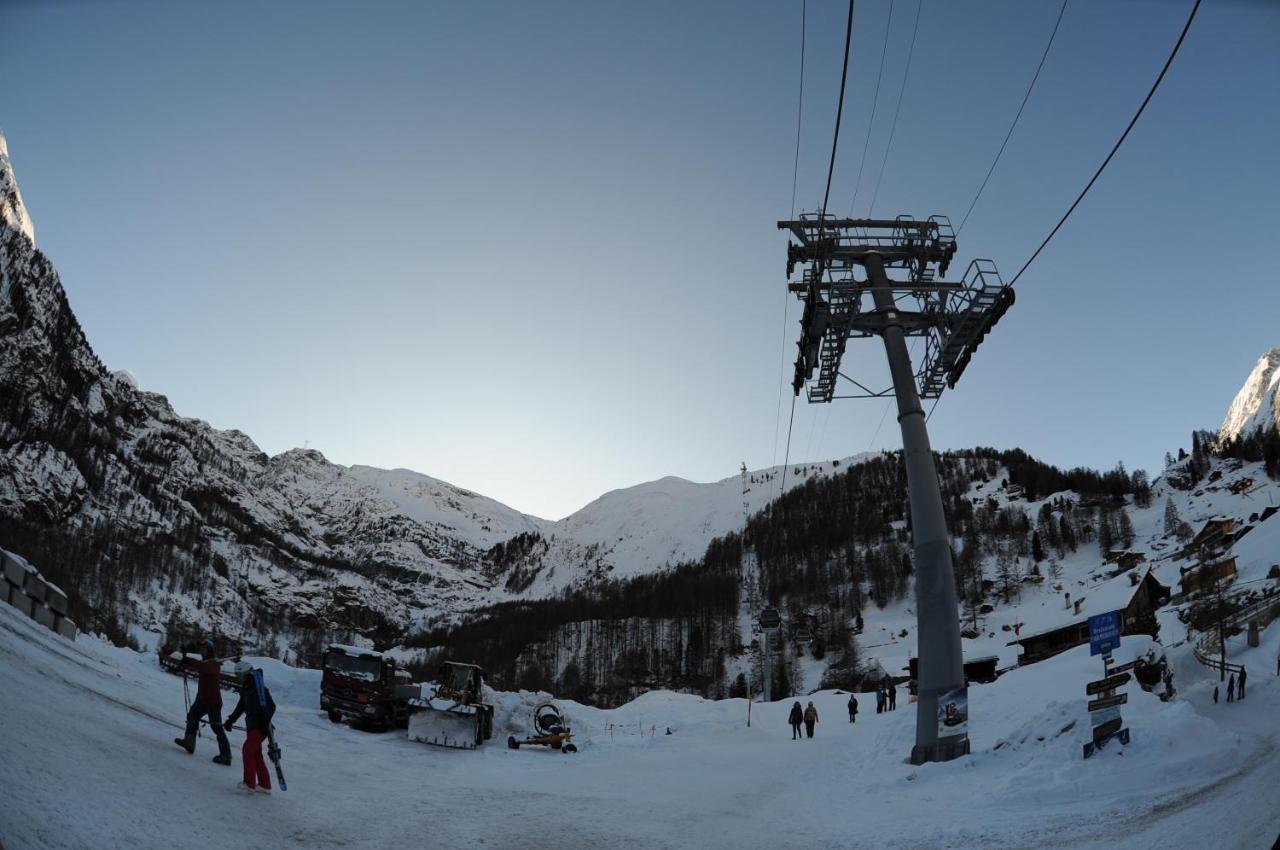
(944, 749)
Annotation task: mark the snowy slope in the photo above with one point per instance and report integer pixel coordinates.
(1257, 405)
(640, 529)
(88, 762)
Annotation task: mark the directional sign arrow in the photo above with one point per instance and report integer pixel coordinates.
(1101, 733)
(1108, 702)
(1108, 684)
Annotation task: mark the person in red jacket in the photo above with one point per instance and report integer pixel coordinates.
(208, 702)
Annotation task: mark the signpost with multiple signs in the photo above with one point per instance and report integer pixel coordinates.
(1104, 711)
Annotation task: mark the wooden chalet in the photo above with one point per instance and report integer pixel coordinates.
(1125, 559)
(1208, 575)
(1217, 534)
(1135, 598)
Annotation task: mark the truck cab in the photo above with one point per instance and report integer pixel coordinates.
(365, 686)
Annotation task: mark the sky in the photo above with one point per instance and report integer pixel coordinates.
(531, 249)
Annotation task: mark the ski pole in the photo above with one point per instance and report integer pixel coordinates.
(186, 701)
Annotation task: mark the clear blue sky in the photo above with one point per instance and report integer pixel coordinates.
(530, 248)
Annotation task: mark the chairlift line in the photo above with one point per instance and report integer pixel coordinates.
(835, 141)
(795, 174)
(1021, 107)
(1167, 63)
(875, 103)
(893, 126)
(1191, 16)
(826, 196)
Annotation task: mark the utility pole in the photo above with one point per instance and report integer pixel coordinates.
(952, 319)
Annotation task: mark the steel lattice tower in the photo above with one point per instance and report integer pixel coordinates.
(952, 318)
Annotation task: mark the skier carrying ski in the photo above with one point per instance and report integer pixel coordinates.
(208, 701)
(853, 709)
(258, 708)
(796, 716)
(810, 718)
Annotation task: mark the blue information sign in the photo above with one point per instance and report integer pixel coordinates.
(1104, 633)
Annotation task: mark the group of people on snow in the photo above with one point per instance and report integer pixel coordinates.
(1235, 688)
(255, 705)
(886, 695)
(808, 716)
(886, 700)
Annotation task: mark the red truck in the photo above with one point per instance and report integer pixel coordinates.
(365, 687)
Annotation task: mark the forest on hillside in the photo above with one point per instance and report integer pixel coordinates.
(823, 553)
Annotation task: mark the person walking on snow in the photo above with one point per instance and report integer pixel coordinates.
(892, 690)
(258, 708)
(810, 718)
(1231, 688)
(208, 702)
(1240, 688)
(853, 709)
(879, 700)
(796, 716)
(1215, 694)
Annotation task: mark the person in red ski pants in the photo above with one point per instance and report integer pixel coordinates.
(258, 708)
(255, 766)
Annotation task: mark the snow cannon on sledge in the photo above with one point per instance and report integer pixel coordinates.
(549, 730)
(455, 715)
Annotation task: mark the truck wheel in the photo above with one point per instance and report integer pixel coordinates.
(335, 716)
(513, 743)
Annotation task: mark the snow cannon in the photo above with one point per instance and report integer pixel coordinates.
(455, 714)
(549, 730)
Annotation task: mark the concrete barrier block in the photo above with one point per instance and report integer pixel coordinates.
(55, 598)
(35, 587)
(16, 568)
(66, 627)
(42, 614)
(21, 601)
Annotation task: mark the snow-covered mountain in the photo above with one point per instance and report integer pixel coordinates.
(1257, 405)
(12, 211)
(101, 476)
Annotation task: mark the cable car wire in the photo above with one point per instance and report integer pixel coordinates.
(795, 174)
(1173, 53)
(1132, 122)
(835, 141)
(893, 127)
(1021, 107)
(875, 102)
(826, 196)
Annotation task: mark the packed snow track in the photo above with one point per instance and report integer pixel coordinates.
(87, 761)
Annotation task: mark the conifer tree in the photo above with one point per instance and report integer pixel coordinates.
(1126, 529)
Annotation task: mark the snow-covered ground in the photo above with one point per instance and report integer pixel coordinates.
(86, 760)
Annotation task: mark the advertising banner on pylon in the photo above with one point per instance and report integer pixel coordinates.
(953, 712)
